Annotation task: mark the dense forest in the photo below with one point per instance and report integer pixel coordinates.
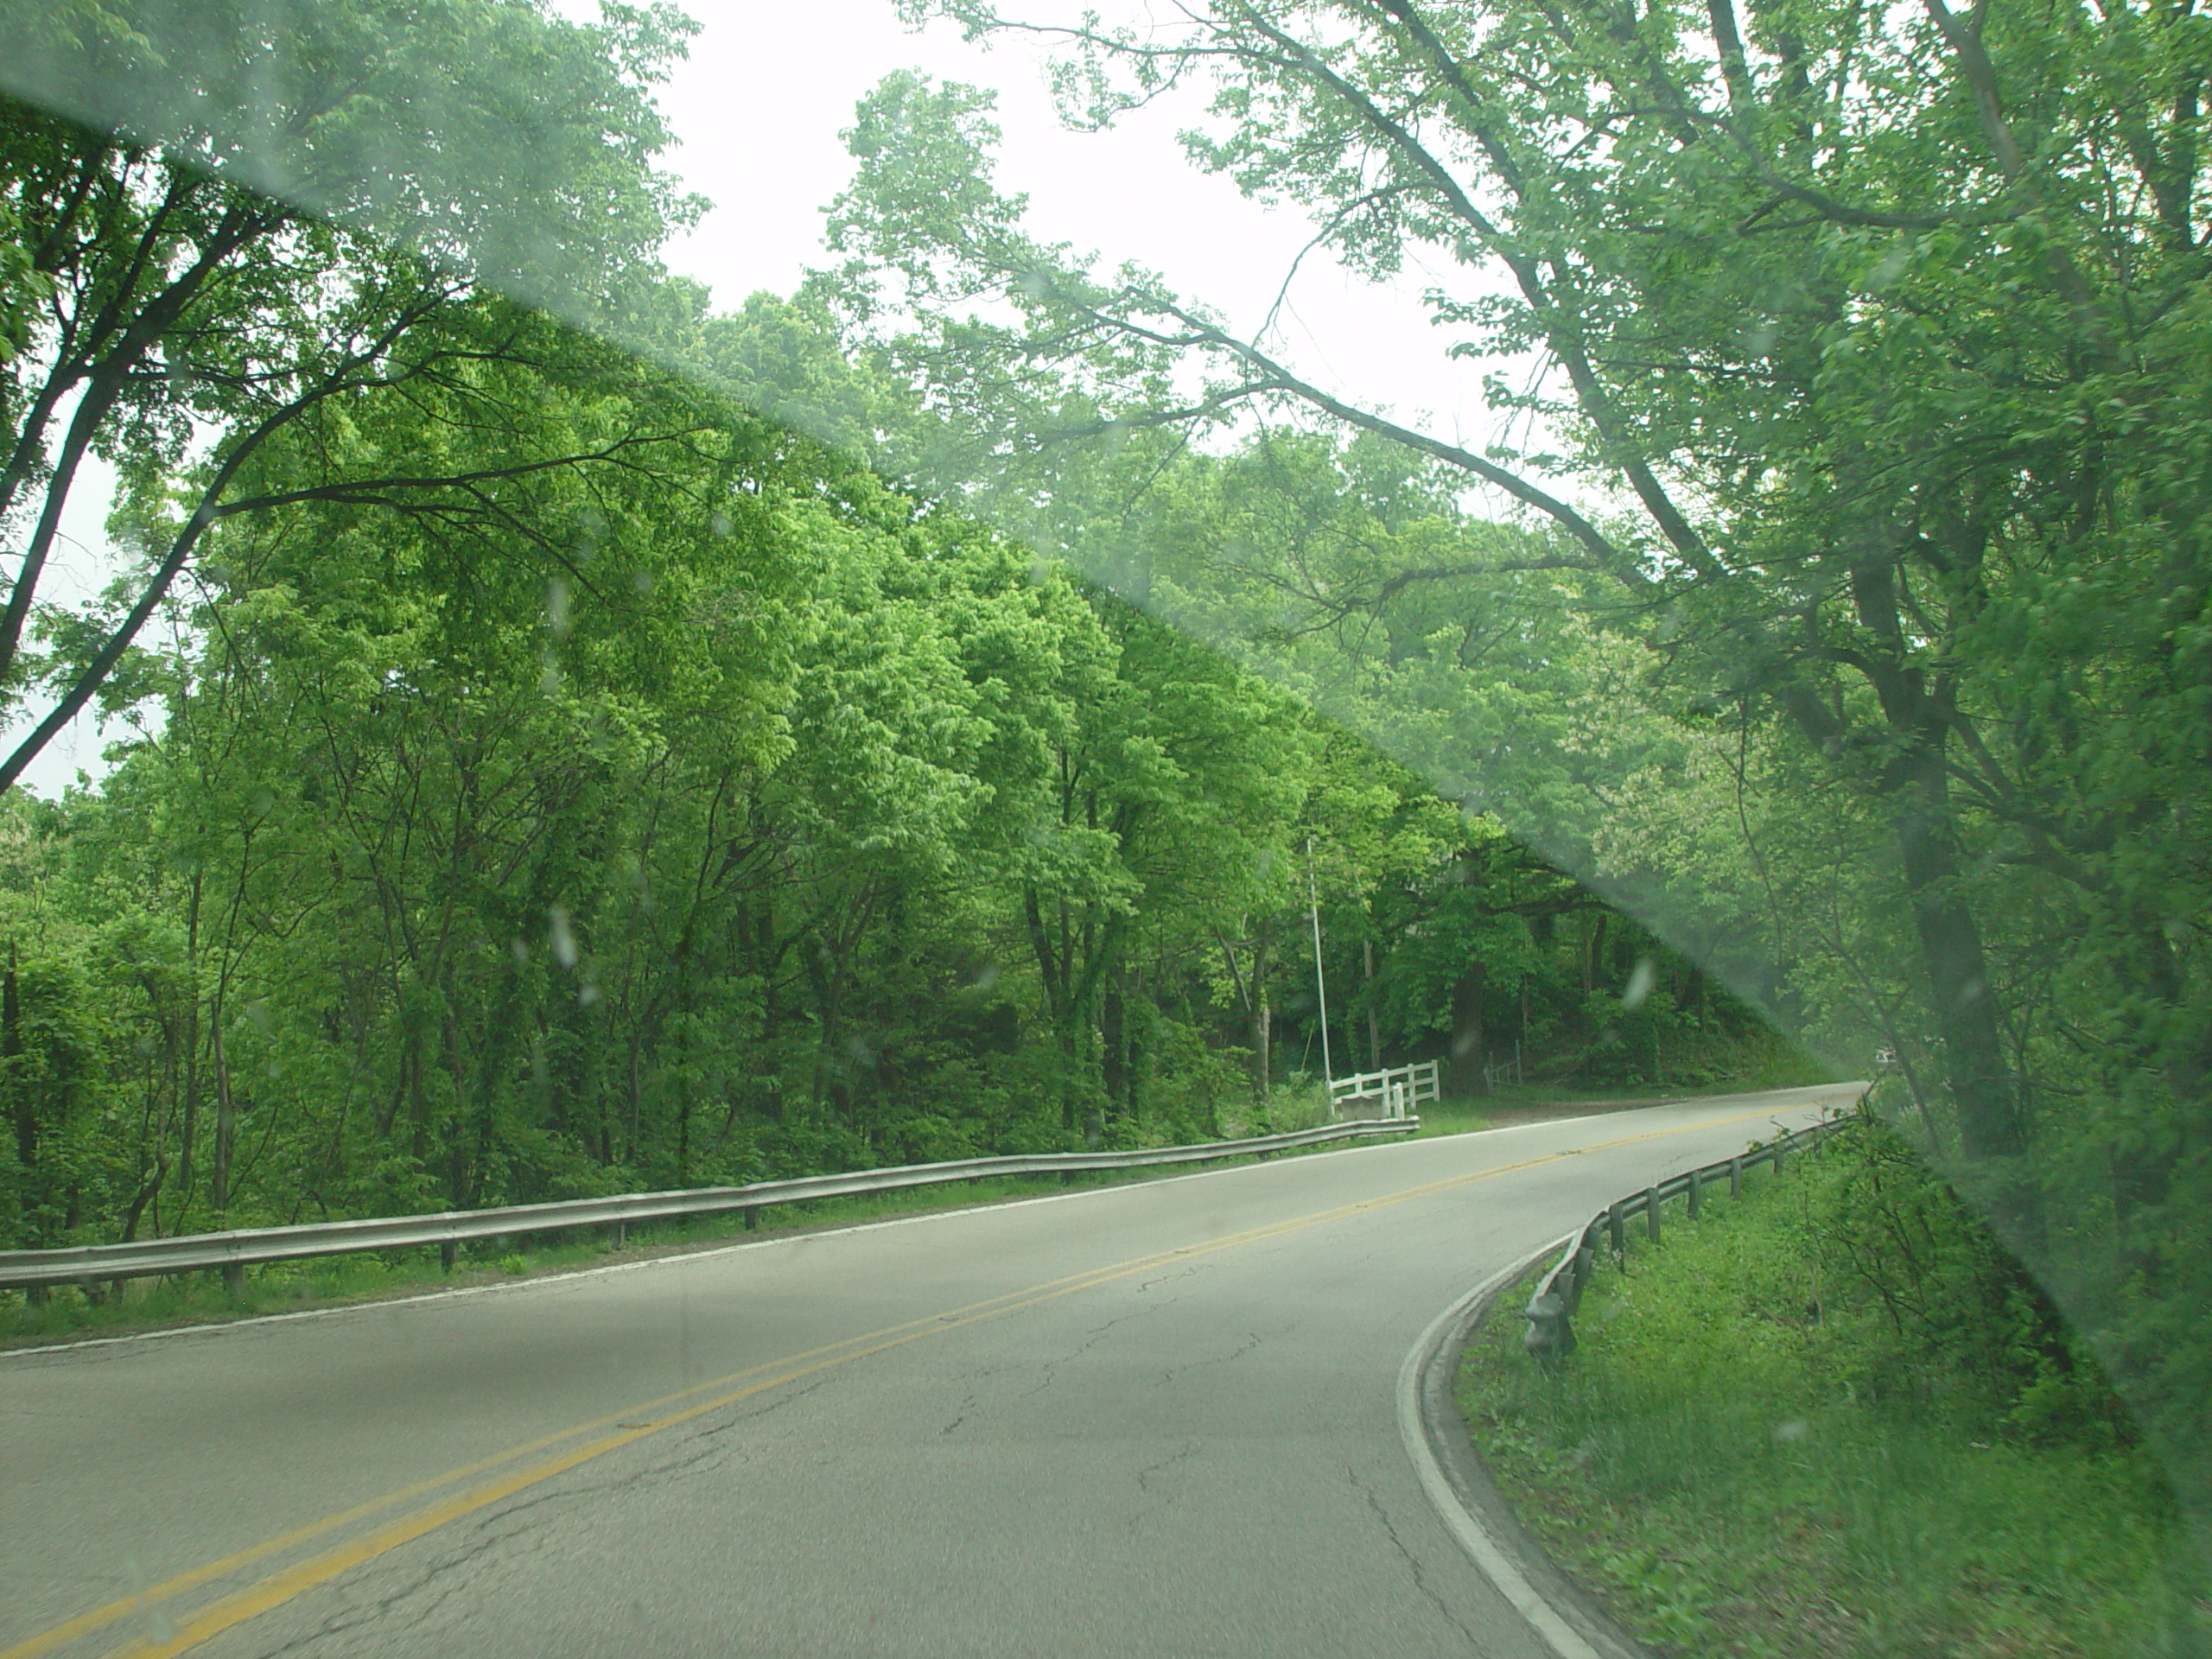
(586, 739)
(823, 833)
(545, 776)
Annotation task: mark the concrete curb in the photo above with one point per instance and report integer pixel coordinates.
(1566, 1621)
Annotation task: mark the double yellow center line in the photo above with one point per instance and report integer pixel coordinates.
(601, 1435)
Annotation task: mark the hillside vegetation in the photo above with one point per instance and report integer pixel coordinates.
(1834, 1418)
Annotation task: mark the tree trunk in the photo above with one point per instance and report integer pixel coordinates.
(1374, 1025)
(23, 1110)
(1468, 1029)
(226, 1122)
(684, 1091)
(1113, 1036)
(1138, 1019)
(11, 1069)
(460, 1172)
(1263, 1019)
(2151, 1146)
(418, 1090)
(188, 1129)
(218, 1177)
(1958, 982)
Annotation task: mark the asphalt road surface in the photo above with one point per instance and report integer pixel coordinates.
(1156, 1419)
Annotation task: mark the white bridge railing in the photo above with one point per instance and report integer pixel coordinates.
(1394, 1092)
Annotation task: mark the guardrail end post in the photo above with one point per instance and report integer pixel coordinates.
(1550, 1336)
(1651, 1212)
(448, 1253)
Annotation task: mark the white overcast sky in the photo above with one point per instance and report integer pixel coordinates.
(758, 108)
(759, 103)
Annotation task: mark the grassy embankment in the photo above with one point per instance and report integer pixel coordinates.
(1771, 1440)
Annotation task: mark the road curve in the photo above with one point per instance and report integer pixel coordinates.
(1156, 1419)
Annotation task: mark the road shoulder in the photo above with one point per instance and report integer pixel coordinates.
(1566, 1619)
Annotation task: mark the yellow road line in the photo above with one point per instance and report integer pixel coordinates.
(284, 1586)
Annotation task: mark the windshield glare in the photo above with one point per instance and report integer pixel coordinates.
(602, 602)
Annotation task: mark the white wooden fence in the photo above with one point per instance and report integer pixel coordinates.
(1394, 1092)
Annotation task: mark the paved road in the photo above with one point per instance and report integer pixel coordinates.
(1147, 1420)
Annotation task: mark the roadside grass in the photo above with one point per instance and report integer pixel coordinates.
(1709, 1463)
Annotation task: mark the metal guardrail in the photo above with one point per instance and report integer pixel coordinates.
(80, 1263)
(1550, 1313)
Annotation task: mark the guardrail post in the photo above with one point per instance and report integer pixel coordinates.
(1651, 1212)
(1697, 1180)
(1620, 1235)
(1735, 1176)
(752, 1214)
(1780, 1147)
(449, 1254)
(618, 1236)
(1550, 1335)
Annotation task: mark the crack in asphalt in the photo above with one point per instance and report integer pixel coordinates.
(1144, 1477)
(522, 1521)
(1413, 1561)
(974, 1377)
(402, 1606)
(1091, 1340)
(1145, 1474)
(1252, 1339)
(960, 1413)
(1183, 1270)
(753, 1410)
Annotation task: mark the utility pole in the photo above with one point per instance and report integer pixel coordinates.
(1320, 985)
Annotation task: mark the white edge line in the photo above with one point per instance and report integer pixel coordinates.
(1489, 1556)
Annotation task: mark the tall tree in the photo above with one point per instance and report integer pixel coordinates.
(223, 224)
(1891, 331)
